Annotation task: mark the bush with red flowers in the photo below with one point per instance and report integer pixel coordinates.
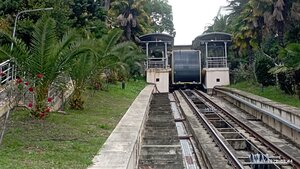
(34, 93)
(39, 75)
(2, 74)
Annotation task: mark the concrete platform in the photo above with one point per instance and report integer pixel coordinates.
(283, 118)
(260, 128)
(121, 149)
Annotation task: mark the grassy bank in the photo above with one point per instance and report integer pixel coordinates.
(66, 141)
(270, 92)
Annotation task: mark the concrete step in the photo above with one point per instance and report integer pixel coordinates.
(160, 102)
(161, 150)
(160, 133)
(163, 141)
(161, 166)
(160, 112)
(160, 119)
(161, 137)
(159, 108)
(162, 158)
(160, 124)
(160, 115)
(160, 129)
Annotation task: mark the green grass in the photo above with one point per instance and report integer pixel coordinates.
(66, 141)
(270, 92)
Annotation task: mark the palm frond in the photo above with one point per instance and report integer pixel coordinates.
(44, 39)
(20, 53)
(112, 39)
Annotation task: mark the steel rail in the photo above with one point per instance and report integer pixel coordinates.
(273, 147)
(230, 156)
(232, 127)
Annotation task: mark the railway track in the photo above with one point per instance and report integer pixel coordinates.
(240, 145)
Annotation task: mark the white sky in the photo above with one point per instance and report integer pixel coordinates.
(191, 16)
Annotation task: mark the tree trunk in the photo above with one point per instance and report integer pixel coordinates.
(260, 31)
(41, 95)
(76, 100)
(107, 4)
(249, 52)
(280, 30)
(297, 82)
(128, 31)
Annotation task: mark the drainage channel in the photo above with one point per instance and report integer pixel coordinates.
(190, 160)
(249, 152)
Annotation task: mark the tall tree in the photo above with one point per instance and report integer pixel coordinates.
(137, 17)
(89, 16)
(107, 4)
(220, 24)
(81, 71)
(131, 16)
(161, 15)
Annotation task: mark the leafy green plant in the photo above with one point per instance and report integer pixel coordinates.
(82, 68)
(44, 60)
(263, 65)
(114, 58)
(289, 70)
(244, 73)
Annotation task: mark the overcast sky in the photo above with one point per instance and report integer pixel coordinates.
(191, 16)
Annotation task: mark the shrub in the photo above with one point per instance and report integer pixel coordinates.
(243, 73)
(262, 67)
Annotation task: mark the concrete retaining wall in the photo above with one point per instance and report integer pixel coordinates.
(8, 103)
(283, 118)
(121, 149)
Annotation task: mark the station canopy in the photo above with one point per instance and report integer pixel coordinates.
(213, 37)
(157, 37)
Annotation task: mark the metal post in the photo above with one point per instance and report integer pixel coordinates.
(225, 43)
(8, 74)
(147, 54)
(17, 17)
(1, 71)
(13, 72)
(166, 55)
(206, 54)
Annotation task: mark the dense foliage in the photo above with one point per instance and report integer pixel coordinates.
(265, 33)
(89, 41)
(138, 17)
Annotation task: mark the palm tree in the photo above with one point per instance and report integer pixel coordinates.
(82, 68)
(220, 24)
(131, 17)
(107, 4)
(44, 60)
(290, 64)
(113, 55)
(4, 25)
(250, 28)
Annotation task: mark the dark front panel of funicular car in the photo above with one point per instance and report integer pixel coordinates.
(186, 66)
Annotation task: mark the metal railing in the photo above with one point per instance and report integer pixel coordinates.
(216, 62)
(156, 63)
(7, 71)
